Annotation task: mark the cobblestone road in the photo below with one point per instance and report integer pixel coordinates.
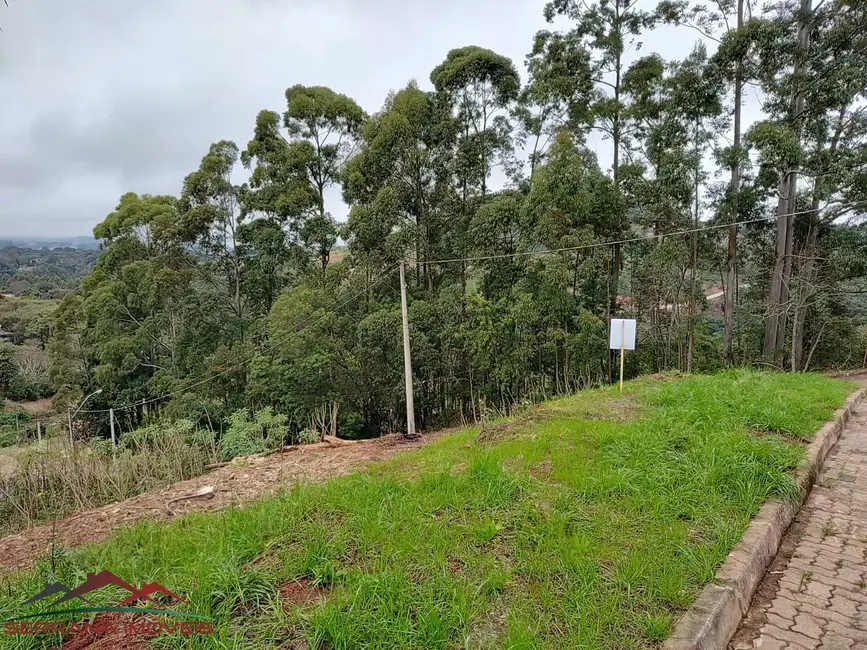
(815, 593)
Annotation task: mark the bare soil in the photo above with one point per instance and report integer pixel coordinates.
(238, 483)
(35, 407)
(299, 593)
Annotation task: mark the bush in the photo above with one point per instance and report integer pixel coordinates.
(250, 434)
(308, 437)
(13, 426)
(101, 447)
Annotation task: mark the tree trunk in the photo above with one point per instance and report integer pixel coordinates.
(806, 290)
(734, 188)
(693, 263)
(775, 302)
(775, 328)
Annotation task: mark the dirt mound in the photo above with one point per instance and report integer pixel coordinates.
(237, 483)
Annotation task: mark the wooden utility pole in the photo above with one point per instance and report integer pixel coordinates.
(407, 362)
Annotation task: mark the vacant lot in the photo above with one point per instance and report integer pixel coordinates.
(589, 522)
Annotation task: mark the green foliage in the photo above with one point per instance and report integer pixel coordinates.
(252, 433)
(308, 436)
(13, 422)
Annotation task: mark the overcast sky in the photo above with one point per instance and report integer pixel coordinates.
(101, 97)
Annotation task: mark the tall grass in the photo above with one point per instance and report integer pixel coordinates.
(56, 480)
(592, 525)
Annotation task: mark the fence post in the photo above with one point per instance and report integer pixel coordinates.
(39, 430)
(69, 418)
(113, 439)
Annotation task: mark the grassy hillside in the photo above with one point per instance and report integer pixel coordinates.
(589, 522)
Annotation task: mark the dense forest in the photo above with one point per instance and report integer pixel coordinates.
(732, 243)
(44, 272)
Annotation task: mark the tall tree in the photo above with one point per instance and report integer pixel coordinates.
(608, 29)
(696, 101)
(558, 93)
(791, 116)
(66, 353)
(480, 86)
(402, 155)
(212, 216)
(324, 128)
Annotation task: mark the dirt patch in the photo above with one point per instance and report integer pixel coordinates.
(455, 565)
(302, 592)
(36, 407)
(235, 484)
(542, 470)
(759, 431)
(488, 631)
(618, 409)
(8, 463)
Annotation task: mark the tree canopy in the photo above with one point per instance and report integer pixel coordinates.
(608, 181)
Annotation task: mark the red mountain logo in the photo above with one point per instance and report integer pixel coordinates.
(140, 613)
(96, 581)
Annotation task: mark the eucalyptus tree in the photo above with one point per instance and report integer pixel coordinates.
(696, 100)
(136, 307)
(480, 87)
(324, 128)
(813, 78)
(401, 175)
(212, 217)
(609, 29)
(558, 93)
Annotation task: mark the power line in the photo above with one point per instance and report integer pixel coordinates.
(630, 240)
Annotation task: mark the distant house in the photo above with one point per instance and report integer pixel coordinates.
(6, 337)
(626, 304)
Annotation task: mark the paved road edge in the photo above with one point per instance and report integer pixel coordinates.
(714, 617)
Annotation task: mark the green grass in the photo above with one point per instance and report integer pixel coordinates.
(592, 523)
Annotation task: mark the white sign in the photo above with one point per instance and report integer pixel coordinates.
(622, 334)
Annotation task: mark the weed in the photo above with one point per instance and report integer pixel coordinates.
(53, 481)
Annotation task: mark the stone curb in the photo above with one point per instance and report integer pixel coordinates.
(714, 617)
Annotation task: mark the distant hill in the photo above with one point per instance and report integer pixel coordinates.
(44, 272)
(51, 243)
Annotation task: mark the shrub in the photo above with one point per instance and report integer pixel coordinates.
(250, 434)
(101, 447)
(13, 425)
(308, 437)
